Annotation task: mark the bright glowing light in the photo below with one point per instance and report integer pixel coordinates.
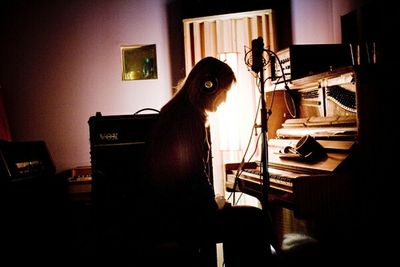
(228, 112)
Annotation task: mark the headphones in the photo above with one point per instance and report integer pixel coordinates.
(307, 148)
(209, 84)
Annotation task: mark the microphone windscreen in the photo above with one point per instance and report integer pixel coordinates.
(257, 47)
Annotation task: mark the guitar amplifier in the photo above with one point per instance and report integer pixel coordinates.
(117, 147)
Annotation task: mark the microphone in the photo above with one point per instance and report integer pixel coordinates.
(257, 47)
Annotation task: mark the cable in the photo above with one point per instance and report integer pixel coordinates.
(146, 109)
(240, 168)
(248, 62)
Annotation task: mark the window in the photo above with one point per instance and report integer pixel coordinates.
(228, 37)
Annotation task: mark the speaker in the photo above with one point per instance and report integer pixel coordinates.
(117, 147)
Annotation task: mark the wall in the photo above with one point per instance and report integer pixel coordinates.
(61, 64)
(318, 22)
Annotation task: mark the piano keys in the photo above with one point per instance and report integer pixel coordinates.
(304, 186)
(279, 179)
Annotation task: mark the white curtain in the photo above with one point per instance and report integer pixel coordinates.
(228, 37)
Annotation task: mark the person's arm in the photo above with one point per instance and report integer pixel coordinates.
(222, 202)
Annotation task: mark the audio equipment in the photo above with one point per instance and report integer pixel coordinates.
(307, 148)
(210, 84)
(117, 151)
(25, 161)
(298, 61)
(34, 210)
(257, 47)
(117, 147)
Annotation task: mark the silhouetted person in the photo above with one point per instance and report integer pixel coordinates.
(184, 206)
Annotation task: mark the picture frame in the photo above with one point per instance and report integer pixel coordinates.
(139, 62)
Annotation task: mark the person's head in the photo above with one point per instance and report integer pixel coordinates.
(208, 83)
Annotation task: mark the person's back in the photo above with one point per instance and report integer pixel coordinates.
(183, 203)
(177, 159)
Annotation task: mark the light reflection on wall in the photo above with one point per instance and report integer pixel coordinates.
(234, 119)
(228, 112)
(232, 123)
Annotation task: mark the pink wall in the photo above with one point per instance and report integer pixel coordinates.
(61, 64)
(318, 22)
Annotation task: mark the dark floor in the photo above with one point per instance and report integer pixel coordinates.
(40, 231)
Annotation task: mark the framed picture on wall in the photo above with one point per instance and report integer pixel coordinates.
(139, 62)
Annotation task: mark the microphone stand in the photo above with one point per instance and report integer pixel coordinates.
(264, 143)
(258, 67)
